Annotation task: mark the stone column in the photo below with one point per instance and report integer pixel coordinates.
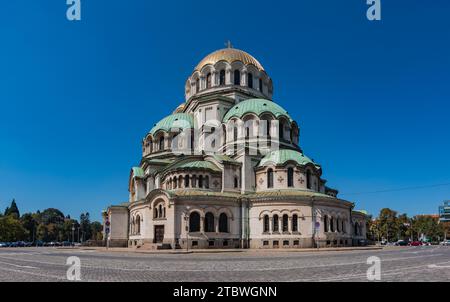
(228, 76)
(202, 224)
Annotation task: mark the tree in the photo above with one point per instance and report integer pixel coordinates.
(11, 229)
(388, 224)
(12, 210)
(85, 226)
(96, 231)
(29, 223)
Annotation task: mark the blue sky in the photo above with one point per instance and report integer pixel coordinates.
(76, 98)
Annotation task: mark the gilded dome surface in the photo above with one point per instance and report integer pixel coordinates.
(229, 55)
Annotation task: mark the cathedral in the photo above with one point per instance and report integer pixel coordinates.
(226, 171)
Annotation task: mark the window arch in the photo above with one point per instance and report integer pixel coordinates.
(138, 225)
(155, 212)
(206, 182)
(325, 224)
(186, 181)
(266, 222)
(197, 85)
(223, 223)
(332, 224)
(260, 85)
(194, 222)
(308, 179)
(237, 77)
(290, 177)
(356, 229)
(161, 143)
(338, 225)
(250, 80)
(222, 77)
(200, 181)
(208, 80)
(276, 227)
(270, 178)
(285, 223)
(343, 226)
(236, 182)
(209, 222)
(160, 210)
(295, 223)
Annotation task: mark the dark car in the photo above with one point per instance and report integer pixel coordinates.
(401, 243)
(39, 243)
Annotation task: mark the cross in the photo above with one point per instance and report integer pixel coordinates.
(228, 44)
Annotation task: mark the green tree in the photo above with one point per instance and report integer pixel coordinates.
(85, 226)
(388, 224)
(29, 223)
(13, 210)
(96, 230)
(11, 229)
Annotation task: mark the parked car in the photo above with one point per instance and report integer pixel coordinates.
(67, 243)
(401, 243)
(445, 243)
(38, 243)
(416, 243)
(4, 244)
(426, 243)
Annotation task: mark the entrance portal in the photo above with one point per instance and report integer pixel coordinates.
(159, 233)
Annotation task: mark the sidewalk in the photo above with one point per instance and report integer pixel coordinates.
(219, 251)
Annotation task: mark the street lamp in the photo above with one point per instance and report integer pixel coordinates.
(73, 233)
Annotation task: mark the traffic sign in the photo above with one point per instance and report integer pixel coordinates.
(317, 225)
(107, 230)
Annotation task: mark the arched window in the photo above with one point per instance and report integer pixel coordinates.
(275, 227)
(222, 77)
(200, 181)
(175, 182)
(197, 85)
(194, 181)
(207, 182)
(250, 80)
(208, 80)
(235, 137)
(308, 179)
(180, 181)
(160, 210)
(338, 225)
(356, 229)
(332, 224)
(194, 222)
(161, 143)
(186, 181)
(343, 226)
(237, 77)
(223, 223)
(260, 85)
(285, 223)
(266, 224)
(295, 223)
(280, 130)
(325, 224)
(290, 177)
(236, 182)
(270, 178)
(138, 225)
(209, 222)
(155, 212)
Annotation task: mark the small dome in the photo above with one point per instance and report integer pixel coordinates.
(256, 106)
(229, 55)
(281, 157)
(192, 165)
(178, 120)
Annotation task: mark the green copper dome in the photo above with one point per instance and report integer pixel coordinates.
(256, 106)
(177, 120)
(280, 157)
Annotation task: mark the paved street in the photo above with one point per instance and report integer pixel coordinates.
(398, 264)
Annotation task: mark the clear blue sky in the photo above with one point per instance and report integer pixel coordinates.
(76, 98)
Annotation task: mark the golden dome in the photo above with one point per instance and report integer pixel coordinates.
(229, 55)
(180, 108)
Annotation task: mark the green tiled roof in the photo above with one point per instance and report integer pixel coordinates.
(280, 157)
(177, 120)
(138, 172)
(194, 165)
(256, 106)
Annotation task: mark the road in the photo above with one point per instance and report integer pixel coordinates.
(431, 263)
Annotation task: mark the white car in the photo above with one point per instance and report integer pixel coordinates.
(445, 243)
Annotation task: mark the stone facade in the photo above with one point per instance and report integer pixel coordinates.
(225, 170)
